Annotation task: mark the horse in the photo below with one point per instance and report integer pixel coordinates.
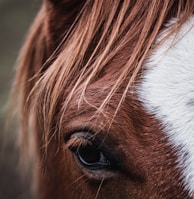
(104, 98)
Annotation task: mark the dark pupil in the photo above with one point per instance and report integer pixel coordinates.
(89, 154)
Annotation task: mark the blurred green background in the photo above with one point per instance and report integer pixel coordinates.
(15, 19)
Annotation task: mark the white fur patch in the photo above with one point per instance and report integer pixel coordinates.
(168, 92)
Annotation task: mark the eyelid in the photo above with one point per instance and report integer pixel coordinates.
(86, 136)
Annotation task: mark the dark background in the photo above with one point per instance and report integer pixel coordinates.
(15, 19)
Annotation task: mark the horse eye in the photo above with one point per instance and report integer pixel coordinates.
(89, 154)
(92, 158)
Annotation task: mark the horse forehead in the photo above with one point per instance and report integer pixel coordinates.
(167, 91)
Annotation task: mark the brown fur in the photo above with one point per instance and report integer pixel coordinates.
(77, 68)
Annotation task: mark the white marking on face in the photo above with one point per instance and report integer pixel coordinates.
(167, 91)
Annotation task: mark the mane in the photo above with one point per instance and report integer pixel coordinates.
(95, 36)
